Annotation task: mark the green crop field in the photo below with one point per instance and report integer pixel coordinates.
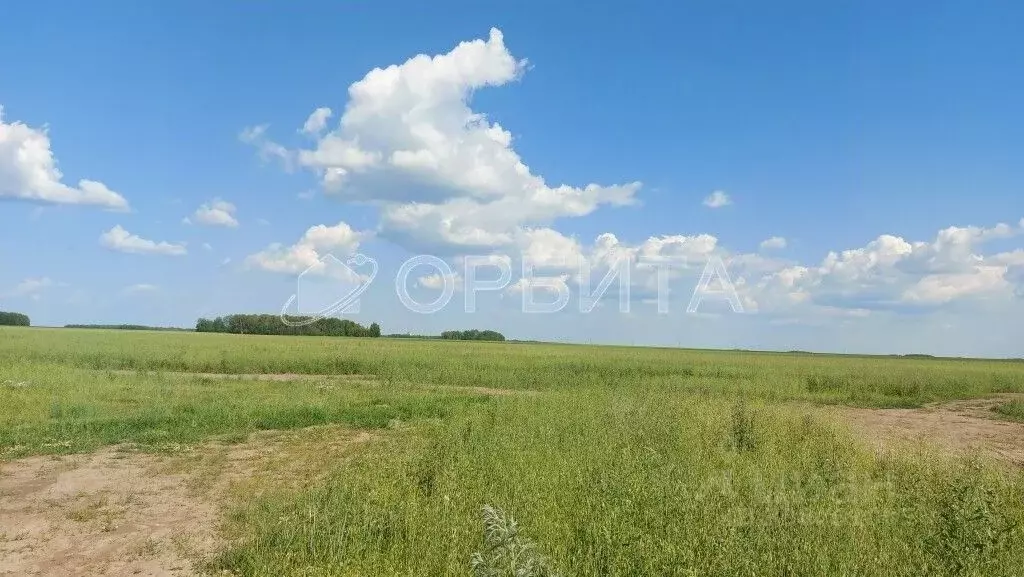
(611, 460)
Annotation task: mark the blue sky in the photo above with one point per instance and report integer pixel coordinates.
(890, 132)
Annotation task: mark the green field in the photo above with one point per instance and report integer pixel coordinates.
(613, 460)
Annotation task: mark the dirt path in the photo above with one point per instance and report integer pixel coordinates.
(277, 377)
(121, 512)
(961, 426)
(354, 379)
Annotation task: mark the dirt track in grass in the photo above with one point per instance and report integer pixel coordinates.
(353, 379)
(121, 512)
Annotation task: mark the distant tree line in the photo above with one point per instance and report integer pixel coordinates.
(14, 319)
(473, 335)
(266, 324)
(126, 327)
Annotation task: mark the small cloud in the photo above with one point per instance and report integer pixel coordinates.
(306, 195)
(121, 240)
(317, 243)
(437, 281)
(214, 213)
(30, 287)
(206, 246)
(226, 261)
(30, 172)
(538, 283)
(262, 221)
(268, 149)
(139, 288)
(316, 122)
(717, 199)
(775, 242)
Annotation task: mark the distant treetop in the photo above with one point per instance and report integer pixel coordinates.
(126, 327)
(266, 324)
(14, 319)
(473, 335)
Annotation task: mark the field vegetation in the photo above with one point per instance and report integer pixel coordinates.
(491, 458)
(1013, 410)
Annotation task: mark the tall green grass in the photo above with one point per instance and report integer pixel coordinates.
(1013, 410)
(58, 409)
(640, 484)
(863, 381)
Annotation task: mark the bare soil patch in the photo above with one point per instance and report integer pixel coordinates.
(121, 512)
(960, 426)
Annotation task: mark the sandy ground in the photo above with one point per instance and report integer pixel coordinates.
(121, 512)
(961, 426)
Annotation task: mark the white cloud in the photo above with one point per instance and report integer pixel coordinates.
(773, 243)
(215, 213)
(437, 281)
(28, 171)
(256, 136)
(490, 260)
(30, 288)
(447, 179)
(140, 288)
(542, 283)
(31, 285)
(886, 274)
(207, 246)
(317, 121)
(1013, 258)
(442, 173)
(306, 254)
(717, 199)
(121, 240)
(554, 257)
(891, 272)
(545, 247)
(679, 249)
(943, 288)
